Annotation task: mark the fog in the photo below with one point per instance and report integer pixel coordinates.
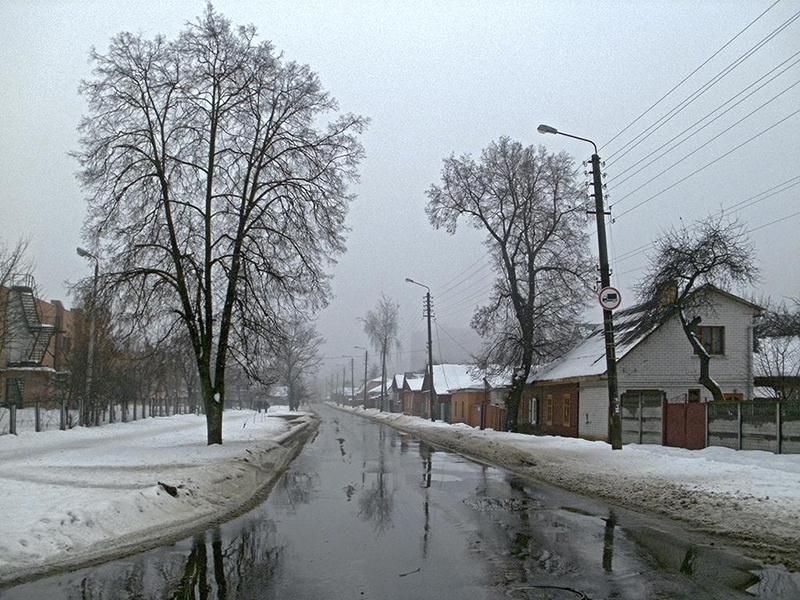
(437, 79)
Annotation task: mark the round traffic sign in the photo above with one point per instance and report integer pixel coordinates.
(609, 298)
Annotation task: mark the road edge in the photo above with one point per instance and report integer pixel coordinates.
(291, 442)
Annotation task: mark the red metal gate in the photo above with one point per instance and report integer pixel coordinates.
(685, 425)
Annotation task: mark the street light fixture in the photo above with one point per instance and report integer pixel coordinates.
(614, 420)
(90, 350)
(366, 354)
(431, 393)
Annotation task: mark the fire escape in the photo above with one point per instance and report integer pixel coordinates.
(26, 332)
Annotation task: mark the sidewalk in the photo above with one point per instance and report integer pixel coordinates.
(74, 496)
(752, 497)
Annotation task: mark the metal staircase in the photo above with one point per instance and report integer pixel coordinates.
(40, 333)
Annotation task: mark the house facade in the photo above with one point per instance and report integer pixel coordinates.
(570, 396)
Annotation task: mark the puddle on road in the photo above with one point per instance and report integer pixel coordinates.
(367, 512)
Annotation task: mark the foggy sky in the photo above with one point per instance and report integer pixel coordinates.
(438, 78)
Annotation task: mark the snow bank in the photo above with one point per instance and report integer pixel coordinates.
(69, 497)
(750, 496)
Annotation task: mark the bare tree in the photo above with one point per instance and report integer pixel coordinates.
(297, 358)
(714, 251)
(777, 359)
(381, 326)
(533, 213)
(215, 197)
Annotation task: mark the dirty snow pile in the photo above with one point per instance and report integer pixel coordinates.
(73, 496)
(752, 496)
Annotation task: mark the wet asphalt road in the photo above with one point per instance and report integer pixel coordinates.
(368, 512)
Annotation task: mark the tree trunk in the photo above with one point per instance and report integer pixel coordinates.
(214, 418)
(705, 379)
(513, 401)
(383, 377)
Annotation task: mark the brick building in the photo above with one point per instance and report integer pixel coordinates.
(38, 338)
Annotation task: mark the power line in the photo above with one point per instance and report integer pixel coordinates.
(748, 231)
(693, 127)
(732, 209)
(705, 166)
(447, 333)
(452, 288)
(633, 143)
(696, 150)
(682, 81)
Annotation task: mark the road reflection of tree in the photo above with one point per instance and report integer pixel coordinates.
(375, 503)
(297, 488)
(426, 452)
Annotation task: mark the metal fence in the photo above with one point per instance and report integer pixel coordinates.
(50, 416)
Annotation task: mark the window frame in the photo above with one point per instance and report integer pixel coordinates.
(712, 338)
(566, 410)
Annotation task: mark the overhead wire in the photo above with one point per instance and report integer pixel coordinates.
(699, 148)
(646, 133)
(730, 210)
(685, 79)
(705, 166)
(693, 127)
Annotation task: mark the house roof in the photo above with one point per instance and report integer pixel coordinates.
(448, 378)
(414, 382)
(587, 359)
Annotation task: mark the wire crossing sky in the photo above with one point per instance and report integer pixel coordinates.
(711, 127)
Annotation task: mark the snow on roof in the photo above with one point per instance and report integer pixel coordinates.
(398, 380)
(764, 392)
(414, 382)
(450, 378)
(278, 391)
(588, 358)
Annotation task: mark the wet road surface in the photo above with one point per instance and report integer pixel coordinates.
(368, 512)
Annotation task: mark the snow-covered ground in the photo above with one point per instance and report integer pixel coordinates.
(68, 497)
(751, 496)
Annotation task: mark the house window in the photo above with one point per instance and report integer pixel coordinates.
(548, 409)
(712, 338)
(567, 408)
(534, 410)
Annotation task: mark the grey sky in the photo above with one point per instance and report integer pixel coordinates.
(437, 78)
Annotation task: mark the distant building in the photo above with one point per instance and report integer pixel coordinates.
(38, 339)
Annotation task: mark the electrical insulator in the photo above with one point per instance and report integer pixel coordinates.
(603, 163)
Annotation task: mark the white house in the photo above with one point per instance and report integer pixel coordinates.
(570, 395)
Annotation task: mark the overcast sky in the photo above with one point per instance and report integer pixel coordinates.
(437, 78)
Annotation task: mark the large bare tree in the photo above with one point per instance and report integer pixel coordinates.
(713, 251)
(381, 326)
(217, 177)
(527, 202)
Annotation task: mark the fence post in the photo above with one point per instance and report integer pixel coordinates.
(37, 418)
(640, 418)
(80, 411)
(705, 419)
(739, 424)
(778, 427)
(62, 417)
(12, 418)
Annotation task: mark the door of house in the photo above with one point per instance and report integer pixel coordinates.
(685, 425)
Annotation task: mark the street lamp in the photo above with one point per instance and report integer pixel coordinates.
(90, 351)
(431, 393)
(614, 422)
(366, 354)
(352, 380)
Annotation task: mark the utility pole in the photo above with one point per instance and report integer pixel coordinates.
(614, 417)
(352, 385)
(90, 350)
(427, 313)
(344, 382)
(365, 370)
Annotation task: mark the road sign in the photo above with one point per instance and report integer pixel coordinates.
(610, 298)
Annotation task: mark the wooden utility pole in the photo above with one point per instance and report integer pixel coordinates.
(431, 391)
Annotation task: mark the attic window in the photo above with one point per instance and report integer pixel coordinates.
(712, 338)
